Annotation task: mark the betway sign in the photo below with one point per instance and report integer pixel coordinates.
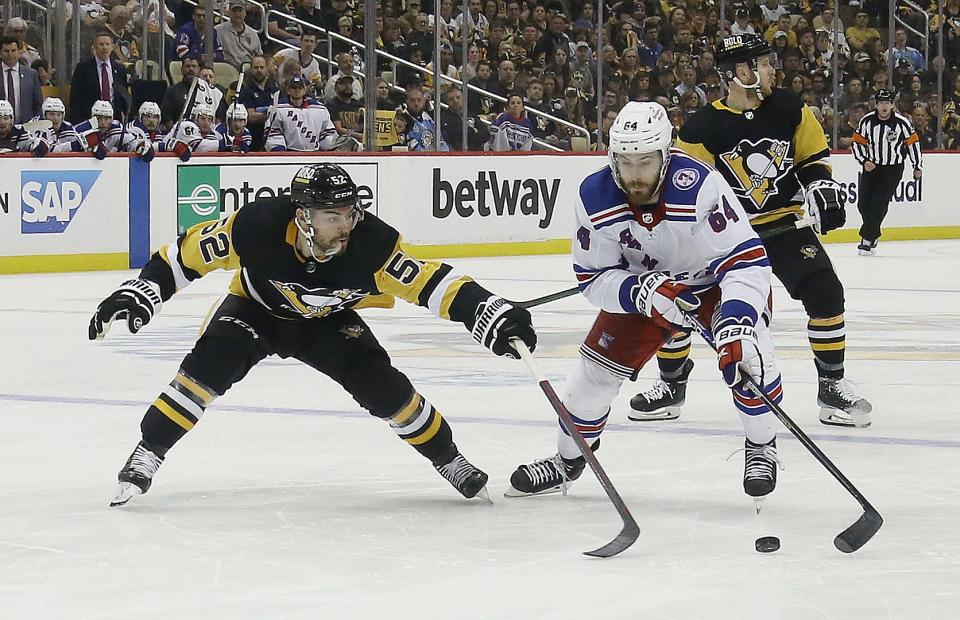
(491, 195)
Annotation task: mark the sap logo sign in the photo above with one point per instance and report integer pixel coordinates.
(49, 199)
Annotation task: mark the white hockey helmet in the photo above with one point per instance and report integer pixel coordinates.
(202, 109)
(101, 108)
(52, 104)
(6, 110)
(640, 127)
(148, 107)
(236, 112)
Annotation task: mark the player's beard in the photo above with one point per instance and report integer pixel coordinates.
(334, 247)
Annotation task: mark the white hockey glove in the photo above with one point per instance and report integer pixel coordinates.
(738, 351)
(136, 301)
(664, 300)
(497, 321)
(823, 204)
(144, 148)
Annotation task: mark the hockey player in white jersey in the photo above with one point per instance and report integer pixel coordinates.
(147, 125)
(234, 134)
(62, 136)
(100, 134)
(197, 135)
(660, 235)
(14, 138)
(300, 123)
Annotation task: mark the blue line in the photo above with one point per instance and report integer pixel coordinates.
(139, 205)
(639, 427)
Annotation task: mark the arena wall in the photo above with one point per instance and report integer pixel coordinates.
(71, 213)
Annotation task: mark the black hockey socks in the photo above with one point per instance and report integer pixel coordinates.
(828, 341)
(178, 408)
(419, 424)
(671, 357)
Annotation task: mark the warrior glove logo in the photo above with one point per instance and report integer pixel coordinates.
(755, 169)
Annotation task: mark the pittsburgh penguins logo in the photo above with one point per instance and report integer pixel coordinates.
(315, 303)
(756, 168)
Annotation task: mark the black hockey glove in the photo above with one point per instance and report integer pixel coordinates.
(824, 205)
(136, 301)
(497, 321)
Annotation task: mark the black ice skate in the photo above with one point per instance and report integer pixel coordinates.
(137, 475)
(840, 405)
(663, 400)
(544, 476)
(867, 248)
(464, 477)
(760, 464)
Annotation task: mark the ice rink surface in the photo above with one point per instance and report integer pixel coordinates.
(288, 501)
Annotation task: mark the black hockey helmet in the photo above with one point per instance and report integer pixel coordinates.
(323, 186)
(739, 48)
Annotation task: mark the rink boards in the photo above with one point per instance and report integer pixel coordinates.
(72, 213)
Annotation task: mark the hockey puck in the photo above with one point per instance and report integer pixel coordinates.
(767, 544)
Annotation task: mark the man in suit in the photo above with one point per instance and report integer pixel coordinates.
(19, 83)
(98, 78)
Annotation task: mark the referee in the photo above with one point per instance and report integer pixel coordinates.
(881, 142)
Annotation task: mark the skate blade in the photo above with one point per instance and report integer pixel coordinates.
(483, 494)
(125, 493)
(758, 503)
(838, 417)
(512, 492)
(652, 416)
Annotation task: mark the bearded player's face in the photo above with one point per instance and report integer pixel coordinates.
(640, 175)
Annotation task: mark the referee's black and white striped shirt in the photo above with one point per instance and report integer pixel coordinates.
(886, 142)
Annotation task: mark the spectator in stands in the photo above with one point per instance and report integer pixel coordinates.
(17, 27)
(190, 37)
(512, 130)
(851, 121)
(393, 43)
(422, 37)
(99, 78)
(452, 125)
(782, 24)
(572, 113)
(921, 124)
(555, 37)
(408, 20)
(257, 96)
(506, 83)
(279, 27)
(529, 38)
(650, 49)
(688, 83)
(584, 62)
(772, 11)
(125, 50)
(741, 23)
(473, 24)
(303, 61)
(345, 111)
(447, 68)
(307, 11)
(20, 83)
(332, 14)
(479, 103)
(910, 95)
(902, 51)
(560, 68)
(240, 41)
(345, 29)
(861, 33)
(421, 129)
(345, 66)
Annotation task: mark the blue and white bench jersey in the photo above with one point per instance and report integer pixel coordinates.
(698, 234)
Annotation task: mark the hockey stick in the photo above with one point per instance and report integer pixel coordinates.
(858, 534)
(187, 104)
(628, 535)
(539, 301)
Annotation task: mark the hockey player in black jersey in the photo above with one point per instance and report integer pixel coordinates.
(304, 264)
(772, 151)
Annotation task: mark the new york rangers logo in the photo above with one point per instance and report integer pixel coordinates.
(686, 178)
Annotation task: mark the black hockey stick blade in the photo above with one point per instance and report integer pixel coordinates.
(631, 531)
(627, 536)
(539, 301)
(860, 533)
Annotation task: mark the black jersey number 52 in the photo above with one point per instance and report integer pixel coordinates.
(215, 247)
(403, 268)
